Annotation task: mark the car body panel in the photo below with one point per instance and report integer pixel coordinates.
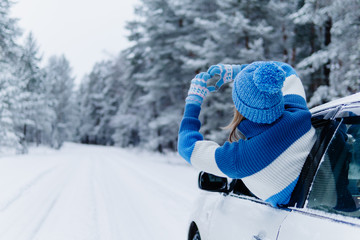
(203, 210)
(262, 222)
(315, 225)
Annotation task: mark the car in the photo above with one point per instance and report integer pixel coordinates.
(325, 203)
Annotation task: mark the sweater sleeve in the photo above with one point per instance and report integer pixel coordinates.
(189, 131)
(192, 147)
(206, 155)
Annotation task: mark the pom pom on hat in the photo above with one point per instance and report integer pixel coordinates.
(268, 77)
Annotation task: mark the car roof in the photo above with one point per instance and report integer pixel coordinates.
(355, 98)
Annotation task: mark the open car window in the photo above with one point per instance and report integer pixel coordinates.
(336, 187)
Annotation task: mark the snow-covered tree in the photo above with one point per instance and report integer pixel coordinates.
(159, 37)
(337, 60)
(126, 121)
(32, 117)
(35, 104)
(99, 102)
(9, 52)
(60, 98)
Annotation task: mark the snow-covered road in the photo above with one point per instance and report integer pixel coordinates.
(92, 192)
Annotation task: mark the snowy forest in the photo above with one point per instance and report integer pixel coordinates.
(137, 98)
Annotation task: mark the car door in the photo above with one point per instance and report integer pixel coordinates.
(332, 209)
(238, 216)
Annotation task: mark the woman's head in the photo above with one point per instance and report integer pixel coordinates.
(257, 92)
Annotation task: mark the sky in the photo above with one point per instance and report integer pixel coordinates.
(85, 31)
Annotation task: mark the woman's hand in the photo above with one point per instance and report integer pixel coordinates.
(198, 89)
(226, 72)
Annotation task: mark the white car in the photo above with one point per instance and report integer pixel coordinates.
(324, 205)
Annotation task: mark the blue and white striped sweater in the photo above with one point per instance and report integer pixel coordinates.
(269, 161)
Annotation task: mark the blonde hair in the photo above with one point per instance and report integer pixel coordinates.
(237, 118)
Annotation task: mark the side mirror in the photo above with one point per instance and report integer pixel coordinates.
(212, 183)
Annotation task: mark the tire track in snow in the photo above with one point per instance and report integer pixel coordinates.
(30, 213)
(44, 217)
(155, 181)
(146, 205)
(25, 188)
(94, 201)
(74, 215)
(118, 205)
(125, 210)
(53, 200)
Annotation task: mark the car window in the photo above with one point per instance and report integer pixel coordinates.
(336, 188)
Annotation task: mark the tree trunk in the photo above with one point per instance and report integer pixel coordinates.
(327, 41)
(285, 51)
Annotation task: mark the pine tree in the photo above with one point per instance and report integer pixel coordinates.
(60, 97)
(334, 63)
(100, 93)
(93, 104)
(32, 117)
(160, 75)
(9, 52)
(126, 121)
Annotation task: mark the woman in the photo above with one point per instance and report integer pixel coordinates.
(271, 114)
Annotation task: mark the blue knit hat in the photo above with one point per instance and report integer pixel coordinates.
(257, 92)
